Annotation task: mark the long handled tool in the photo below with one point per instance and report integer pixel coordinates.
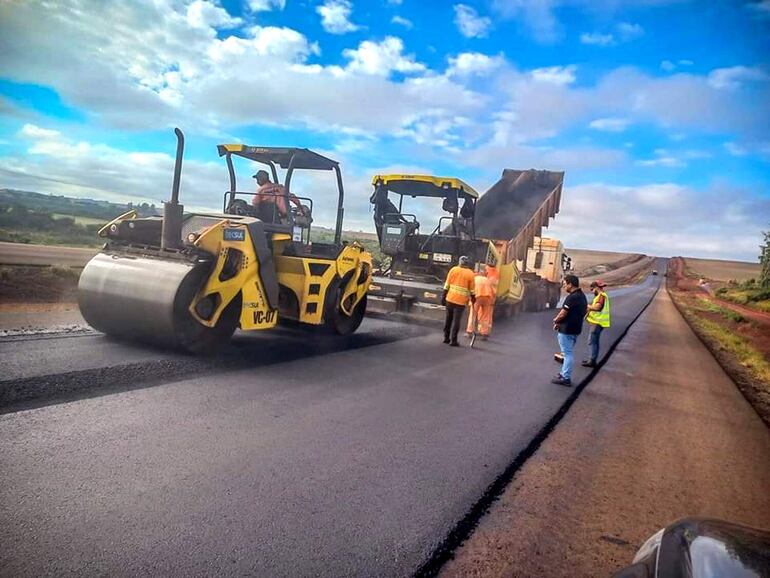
(475, 323)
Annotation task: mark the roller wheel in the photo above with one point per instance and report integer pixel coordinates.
(195, 338)
(336, 322)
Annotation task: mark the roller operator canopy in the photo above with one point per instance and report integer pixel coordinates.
(281, 156)
(424, 185)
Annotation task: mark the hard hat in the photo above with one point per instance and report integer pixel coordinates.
(464, 261)
(599, 284)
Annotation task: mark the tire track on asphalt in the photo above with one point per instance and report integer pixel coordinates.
(41, 390)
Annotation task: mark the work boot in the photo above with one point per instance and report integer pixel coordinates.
(559, 380)
(483, 337)
(454, 344)
(588, 363)
(446, 340)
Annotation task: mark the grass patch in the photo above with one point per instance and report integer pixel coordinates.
(727, 341)
(739, 356)
(80, 220)
(748, 293)
(704, 304)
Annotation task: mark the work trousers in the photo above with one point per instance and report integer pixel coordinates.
(454, 316)
(594, 334)
(567, 344)
(484, 309)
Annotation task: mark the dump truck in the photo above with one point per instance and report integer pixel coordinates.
(188, 280)
(501, 228)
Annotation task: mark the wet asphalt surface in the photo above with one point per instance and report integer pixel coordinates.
(282, 456)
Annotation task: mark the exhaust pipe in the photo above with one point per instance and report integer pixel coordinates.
(171, 233)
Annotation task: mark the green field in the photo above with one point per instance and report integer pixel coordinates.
(80, 220)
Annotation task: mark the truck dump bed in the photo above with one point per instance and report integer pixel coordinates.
(517, 207)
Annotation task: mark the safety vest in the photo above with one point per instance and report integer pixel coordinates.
(484, 287)
(602, 317)
(459, 285)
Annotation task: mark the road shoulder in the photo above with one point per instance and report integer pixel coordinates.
(660, 433)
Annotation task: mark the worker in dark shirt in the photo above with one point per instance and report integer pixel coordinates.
(569, 323)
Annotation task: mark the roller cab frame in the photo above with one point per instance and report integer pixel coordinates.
(189, 279)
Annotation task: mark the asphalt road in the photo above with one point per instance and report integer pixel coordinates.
(23, 254)
(282, 457)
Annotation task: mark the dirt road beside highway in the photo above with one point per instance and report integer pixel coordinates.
(661, 433)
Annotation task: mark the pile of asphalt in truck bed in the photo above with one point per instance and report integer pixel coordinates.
(509, 204)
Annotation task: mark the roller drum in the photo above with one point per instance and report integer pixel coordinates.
(146, 300)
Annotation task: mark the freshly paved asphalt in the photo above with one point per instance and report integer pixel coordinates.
(292, 459)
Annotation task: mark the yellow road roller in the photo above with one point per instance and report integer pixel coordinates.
(188, 280)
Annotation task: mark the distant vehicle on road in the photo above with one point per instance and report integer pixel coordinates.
(702, 548)
(654, 271)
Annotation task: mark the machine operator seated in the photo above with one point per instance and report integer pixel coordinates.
(270, 201)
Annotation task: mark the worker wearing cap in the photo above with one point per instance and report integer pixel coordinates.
(458, 291)
(598, 319)
(270, 199)
(485, 289)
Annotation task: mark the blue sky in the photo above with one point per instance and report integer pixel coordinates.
(658, 110)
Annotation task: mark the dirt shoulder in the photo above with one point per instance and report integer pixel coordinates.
(738, 337)
(660, 433)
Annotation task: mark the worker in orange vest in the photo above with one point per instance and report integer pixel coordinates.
(482, 310)
(458, 291)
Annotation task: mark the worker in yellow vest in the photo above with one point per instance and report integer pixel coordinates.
(598, 318)
(482, 311)
(458, 291)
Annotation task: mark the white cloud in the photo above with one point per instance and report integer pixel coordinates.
(469, 23)
(335, 16)
(381, 58)
(735, 149)
(405, 22)
(266, 5)
(669, 66)
(55, 163)
(35, 132)
(666, 158)
(610, 124)
(628, 31)
(663, 158)
(735, 76)
(624, 32)
(203, 14)
(597, 39)
(559, 75)
(173, 74)
(537, 15)
(721, 221)
(473, 63)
